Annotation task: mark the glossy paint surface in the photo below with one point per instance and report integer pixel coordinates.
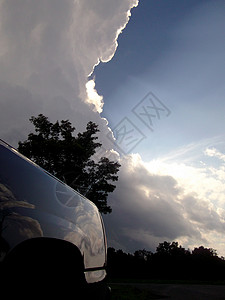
(35, 204)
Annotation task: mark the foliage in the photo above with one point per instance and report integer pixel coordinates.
(69, 158)
(169, 262)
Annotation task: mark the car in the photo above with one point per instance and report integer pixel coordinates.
(52, 239)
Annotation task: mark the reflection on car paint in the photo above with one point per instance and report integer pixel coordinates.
(35, 204)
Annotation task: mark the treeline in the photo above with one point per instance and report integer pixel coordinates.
(169, 262)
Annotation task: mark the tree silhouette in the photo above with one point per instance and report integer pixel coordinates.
(171, 249)
(204, 252)
(169, 262)
(69, 158)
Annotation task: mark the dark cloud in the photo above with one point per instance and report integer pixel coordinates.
(202, 213)
(17, 105)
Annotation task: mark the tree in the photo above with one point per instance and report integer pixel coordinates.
(143, 254)
(69, 158)
(171, 249)
(170, 261)
(204, 252)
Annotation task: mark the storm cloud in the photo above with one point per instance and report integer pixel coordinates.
(149, 208)
(47, 50)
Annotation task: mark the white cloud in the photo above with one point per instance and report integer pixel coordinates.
(213, 152)
(93, 97)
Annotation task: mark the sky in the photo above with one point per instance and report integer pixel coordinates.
(151, 75)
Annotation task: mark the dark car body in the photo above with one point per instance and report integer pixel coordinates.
(46, 226)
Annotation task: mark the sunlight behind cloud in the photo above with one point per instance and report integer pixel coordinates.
(170, 200)
(205, 180)
(93, 97)
(111, 51)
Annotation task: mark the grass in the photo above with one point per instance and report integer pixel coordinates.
(127, 292)
(122, 289)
